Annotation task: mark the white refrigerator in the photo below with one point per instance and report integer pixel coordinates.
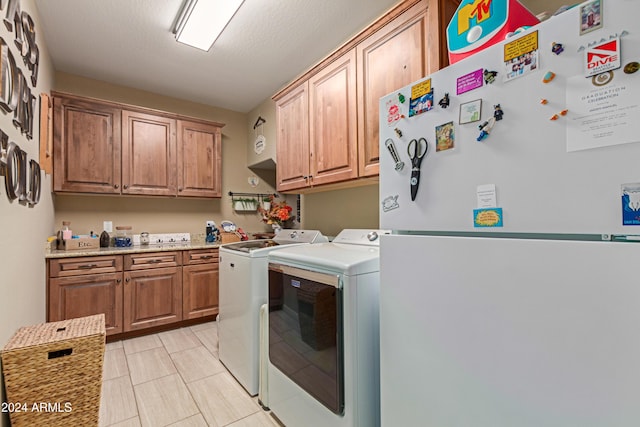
(509, 287)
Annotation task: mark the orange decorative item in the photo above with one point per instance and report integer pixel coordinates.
(544, 101)
(554, 117)
(564, 112)
(278, 212)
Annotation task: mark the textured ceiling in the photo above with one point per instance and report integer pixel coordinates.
(267, 44)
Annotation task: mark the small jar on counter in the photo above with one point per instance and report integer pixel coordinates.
(123, 236)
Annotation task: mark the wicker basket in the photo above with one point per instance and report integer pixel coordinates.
(53, 373)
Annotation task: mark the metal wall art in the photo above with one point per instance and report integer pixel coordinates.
(22, 176)
(22, 179)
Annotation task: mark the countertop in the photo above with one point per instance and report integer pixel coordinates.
(130, 250)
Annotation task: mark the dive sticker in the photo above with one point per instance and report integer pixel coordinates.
(604, 56)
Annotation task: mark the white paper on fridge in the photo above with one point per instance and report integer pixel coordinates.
(603, 111)
(486, 196)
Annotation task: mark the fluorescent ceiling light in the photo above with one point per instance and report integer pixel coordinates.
(201, 21)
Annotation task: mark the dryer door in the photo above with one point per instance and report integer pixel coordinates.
(305, 331)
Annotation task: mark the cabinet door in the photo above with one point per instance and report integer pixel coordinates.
(152, 297)
(332, 122)
(292, 140)
(87, 144)
(148, 154)
(200, 290)
(79, 296)
(199, 160)
(391, 58)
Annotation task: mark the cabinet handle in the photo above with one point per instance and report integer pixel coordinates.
(154, 261)
(125, 186)
(116, 186)
(87, 266)
(206, 257)
(232, 265)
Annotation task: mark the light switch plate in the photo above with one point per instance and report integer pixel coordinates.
(107, 226)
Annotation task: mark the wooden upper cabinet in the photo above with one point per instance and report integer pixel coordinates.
(391, 58)
(199, 159)
(404, 45)
(332, 122)
(107, 147)
(292, 147)
(148, 154)
(86, 151)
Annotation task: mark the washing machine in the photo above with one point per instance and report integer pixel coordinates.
(323, 332)
(242, 290)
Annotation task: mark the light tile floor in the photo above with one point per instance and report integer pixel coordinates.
(174, 378)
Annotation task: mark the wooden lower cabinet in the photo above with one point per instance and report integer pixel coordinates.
(200, 276)
(86, 295)
(134, 291)
(199, 290)
(152, 297)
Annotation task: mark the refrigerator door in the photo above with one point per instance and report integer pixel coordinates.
(540, 185)
(479, 332)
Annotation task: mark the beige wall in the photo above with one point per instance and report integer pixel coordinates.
(164, 215)
(22, 268)
(266, 159)
(333, 211)
(330, 211)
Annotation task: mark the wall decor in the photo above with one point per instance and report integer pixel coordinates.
(22, 178)
(22, 181)
(15, 94)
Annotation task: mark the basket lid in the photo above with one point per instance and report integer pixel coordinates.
(45, 333)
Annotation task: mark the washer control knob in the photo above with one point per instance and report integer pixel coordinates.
(293, 234)
(372, 236)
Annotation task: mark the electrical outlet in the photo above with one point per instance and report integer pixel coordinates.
(107, 226)
(183, 237)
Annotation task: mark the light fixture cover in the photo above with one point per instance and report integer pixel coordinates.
(202, 21)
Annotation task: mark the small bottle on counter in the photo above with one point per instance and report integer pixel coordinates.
(63, 234)
(105, 239)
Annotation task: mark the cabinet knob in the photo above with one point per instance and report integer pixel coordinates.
(118, 280)
(179, 188)
(232, 265)
(125, 186)
(116, 186)
(127, 280)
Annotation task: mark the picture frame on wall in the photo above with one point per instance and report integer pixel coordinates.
(470, 111)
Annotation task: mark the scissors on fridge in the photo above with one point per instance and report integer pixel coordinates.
(417, 149)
